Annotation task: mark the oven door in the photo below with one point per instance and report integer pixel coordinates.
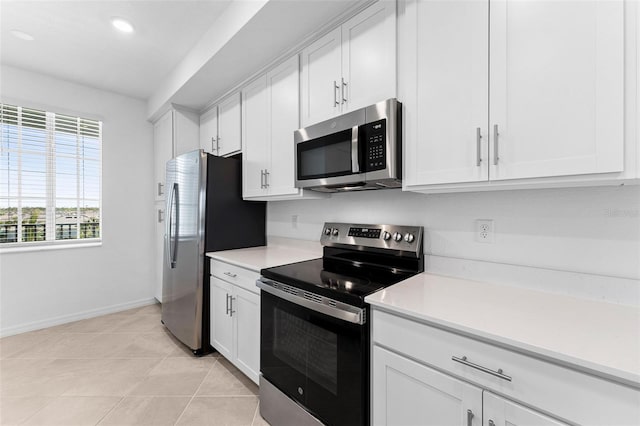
(319, 361)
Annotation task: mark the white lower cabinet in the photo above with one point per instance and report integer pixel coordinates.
(235, 316)
(408, 393)
(501, 412)
(424, 375)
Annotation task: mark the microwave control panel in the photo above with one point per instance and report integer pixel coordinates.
(375, 152)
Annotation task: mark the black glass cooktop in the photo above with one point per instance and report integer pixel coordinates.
(337, 280)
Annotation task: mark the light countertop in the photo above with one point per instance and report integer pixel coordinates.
(598, 337)
(278, 251)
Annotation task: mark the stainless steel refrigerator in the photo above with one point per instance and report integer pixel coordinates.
(205, 212)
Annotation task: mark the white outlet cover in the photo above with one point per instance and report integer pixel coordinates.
(484, 231)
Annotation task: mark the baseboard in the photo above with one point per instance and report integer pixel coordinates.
(618, 290)
(38, 325)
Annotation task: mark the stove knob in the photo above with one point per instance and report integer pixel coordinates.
(327, 231)
(397, 236)
(335, 232)
(386, 235)
(408, 237)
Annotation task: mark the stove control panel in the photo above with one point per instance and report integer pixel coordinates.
(392, 237)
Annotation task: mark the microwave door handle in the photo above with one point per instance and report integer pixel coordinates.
(355, 163)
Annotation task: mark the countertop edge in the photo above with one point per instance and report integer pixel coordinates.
(619, 376)
(224, 259)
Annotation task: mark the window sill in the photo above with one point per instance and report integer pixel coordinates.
(58, 245)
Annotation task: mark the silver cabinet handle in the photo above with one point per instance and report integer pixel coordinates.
(495, 145)
(335, 95)
(213, 147)
(266, 178)
(478, 146)
(160, 216)
(469, 417)
(227, 304)
(160, 186)
(498, 373)
(229, 274)
(262, 179)
(343, 90)
(491, 423)
(231, 311)
(218, 144)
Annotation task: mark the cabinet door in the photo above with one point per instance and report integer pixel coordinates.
(369, 56)
(283, 91)
(408, 393)
(246, 314)
(221, 322)
(320, 79)
(444, 87)
(209, 131)
(557, 70)
(506, 413)
(159, 253)
(186, 129)
(255, 135)
(229, 131)
(162, 151)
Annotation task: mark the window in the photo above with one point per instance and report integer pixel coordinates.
(50, 177)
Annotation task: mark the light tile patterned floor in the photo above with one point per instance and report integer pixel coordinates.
(119, 369)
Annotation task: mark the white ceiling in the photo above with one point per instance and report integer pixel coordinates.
(74, 40)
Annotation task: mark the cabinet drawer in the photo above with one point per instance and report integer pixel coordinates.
(241, 277)
(560, 391)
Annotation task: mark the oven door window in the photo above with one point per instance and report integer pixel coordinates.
(328, 156)
(315, 359)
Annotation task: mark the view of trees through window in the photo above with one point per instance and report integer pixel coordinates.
(50, 175)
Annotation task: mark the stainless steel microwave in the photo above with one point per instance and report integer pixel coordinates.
(359, 150)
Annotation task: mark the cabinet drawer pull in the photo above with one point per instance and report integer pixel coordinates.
(469, 417)
(478, 147)
(335, 95)
(498, 373)
(160, 216)
(160, 191)
(231, 311)
(491, 423)
(229, 274)
(266, 178)
(227, 304)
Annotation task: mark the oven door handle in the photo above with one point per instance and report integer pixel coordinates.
(320, 304)
(355, 152)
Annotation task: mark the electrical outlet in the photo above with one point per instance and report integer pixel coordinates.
(294, 221)
(484, 230)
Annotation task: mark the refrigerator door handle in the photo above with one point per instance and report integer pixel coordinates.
(171, 241)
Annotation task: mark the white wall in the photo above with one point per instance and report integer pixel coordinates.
(41, 288)
(586, 230)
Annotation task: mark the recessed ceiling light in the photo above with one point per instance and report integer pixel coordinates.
(22, 35)
(122, 25)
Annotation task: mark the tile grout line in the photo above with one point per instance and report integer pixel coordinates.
(111, 410)
(195, 393)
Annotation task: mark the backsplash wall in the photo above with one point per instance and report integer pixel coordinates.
(585, 230)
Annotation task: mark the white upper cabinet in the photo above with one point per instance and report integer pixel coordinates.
(351, 67)
(255, 138)
(229, 127)
(557, 88)
(175, 133)
(209, 131)
(501, 93)
(270, 114)
(320, 79)
(444, 84)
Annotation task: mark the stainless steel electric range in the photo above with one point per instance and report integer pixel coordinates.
(315, 333)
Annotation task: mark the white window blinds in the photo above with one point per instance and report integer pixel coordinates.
(50, 177)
